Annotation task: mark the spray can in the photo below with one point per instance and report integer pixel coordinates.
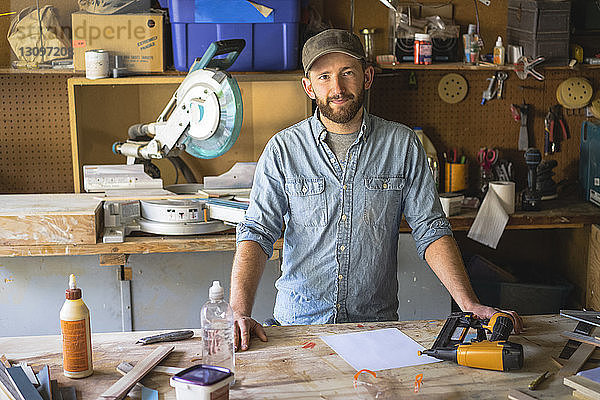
(76, 334)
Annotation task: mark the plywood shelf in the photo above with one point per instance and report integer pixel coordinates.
(459, 66)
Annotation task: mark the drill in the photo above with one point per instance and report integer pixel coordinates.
(531, 196)
(495, 353)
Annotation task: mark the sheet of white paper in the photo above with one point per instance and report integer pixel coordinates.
(376, 350)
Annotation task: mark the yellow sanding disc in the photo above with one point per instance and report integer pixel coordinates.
(574, 93)
(453, 88)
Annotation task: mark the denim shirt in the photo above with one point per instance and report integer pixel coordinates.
(341, 225)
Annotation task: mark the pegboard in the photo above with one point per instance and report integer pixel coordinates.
(468, 125)
(35, 146)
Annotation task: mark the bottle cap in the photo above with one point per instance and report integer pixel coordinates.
(499, 41)
(73, 292)
(422, 36)
(216, 291)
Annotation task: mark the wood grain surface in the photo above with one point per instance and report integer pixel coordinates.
(283, 368)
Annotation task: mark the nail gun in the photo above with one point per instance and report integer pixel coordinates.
(495, 353)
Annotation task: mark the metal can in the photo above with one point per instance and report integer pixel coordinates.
(423, 48)
(96, 64)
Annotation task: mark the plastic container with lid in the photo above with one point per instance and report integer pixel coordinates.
(423, 48)
(202, 382)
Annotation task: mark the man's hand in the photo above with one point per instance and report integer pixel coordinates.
(485, 312)
(243, 328)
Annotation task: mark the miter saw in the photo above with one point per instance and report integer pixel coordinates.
(203, 118)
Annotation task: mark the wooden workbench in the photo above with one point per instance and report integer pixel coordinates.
(283, 368)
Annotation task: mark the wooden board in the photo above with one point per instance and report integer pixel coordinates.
(49, 219)
(585, 386)
(593, 272)
(576, 361)
(283, 369)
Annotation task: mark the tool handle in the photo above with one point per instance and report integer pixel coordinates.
(231, 47)
(166, 337)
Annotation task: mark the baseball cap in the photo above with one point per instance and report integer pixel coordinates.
(331, 41)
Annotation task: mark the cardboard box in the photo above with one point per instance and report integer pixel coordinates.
(137, 37)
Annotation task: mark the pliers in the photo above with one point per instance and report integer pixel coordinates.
(525, 67)
(556, 129)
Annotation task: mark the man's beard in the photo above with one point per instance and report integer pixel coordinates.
(345, 113)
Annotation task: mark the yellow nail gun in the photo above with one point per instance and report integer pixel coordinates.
(495, 353)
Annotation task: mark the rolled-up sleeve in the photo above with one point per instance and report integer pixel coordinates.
(263, 222)
(422, 208)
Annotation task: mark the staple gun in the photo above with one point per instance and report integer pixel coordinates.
(495, 353)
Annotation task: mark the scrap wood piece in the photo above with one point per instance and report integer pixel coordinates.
(5, 361)
(8, 385)
(581, 355)
(45, 386)
(515, 394)
(121, 387)
(23, 384)
(581, 338)
(584, 386)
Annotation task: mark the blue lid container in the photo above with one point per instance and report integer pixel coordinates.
(233, 11)
(272, 37)
(203, 375)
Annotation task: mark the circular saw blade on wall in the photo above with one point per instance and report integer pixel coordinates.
(228, 129)
(453, 88)
(574, 92)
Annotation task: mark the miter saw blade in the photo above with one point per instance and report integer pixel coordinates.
(230, 122)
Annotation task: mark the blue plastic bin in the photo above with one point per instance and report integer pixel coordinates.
(271, 41)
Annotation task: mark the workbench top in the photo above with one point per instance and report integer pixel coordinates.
(283, 368)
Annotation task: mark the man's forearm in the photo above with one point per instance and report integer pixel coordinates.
(248, 265)
(443, 256)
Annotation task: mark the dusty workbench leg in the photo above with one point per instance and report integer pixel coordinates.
(124, 275)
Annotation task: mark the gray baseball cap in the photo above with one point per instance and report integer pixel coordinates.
(331, 41)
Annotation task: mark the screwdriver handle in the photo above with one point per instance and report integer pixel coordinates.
(166, 337)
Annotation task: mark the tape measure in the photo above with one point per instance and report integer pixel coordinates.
(453, 88)
(574, 93)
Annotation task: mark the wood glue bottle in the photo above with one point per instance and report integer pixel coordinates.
(76, 334)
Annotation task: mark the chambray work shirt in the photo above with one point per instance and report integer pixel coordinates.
(341, 226)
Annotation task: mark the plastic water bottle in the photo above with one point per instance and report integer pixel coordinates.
(217, 330)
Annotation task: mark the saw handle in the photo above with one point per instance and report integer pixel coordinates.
(232, 47)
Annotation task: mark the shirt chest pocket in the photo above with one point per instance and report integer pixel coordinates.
(382, 199)
(307, 201)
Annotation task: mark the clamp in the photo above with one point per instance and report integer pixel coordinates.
(525, 67)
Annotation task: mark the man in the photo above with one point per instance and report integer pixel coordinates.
(340, 181)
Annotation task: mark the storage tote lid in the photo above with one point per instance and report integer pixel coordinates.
(202, 375)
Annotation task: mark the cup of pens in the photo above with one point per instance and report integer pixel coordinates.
(456, 171)
(455, 177)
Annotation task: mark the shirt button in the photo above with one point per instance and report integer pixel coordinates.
(340, 277)
(337, 306)
(304, 189)
(342, 248)
(345, 187)
(385, 185)
(344, 217)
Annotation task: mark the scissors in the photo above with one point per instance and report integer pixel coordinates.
(452, 156)
(487, 157)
